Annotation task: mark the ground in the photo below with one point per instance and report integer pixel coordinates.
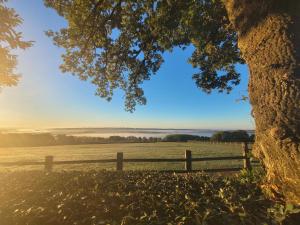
(131, 197)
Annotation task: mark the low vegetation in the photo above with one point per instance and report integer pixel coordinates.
(144, 198)
(232, 136)
(48, 139)
(184, 138)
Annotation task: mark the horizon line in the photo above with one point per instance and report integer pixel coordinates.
(141, 128)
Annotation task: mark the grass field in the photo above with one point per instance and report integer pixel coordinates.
(131, 150)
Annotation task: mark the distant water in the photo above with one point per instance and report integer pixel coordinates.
(124, 132)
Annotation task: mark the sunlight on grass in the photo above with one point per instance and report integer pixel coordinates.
(132, 150)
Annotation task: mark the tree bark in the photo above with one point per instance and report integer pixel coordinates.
(269, 40)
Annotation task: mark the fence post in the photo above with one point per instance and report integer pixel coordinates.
(188, 160)
(119, 161)
(48, 163)
(247, 164)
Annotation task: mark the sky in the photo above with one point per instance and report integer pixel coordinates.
(47, 98)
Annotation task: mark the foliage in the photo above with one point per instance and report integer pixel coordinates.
(119, 44)
(184, 138)
(103, 197)
(10, 39)
(48, 139)
(237, 135)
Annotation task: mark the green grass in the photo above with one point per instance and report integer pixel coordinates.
(132, 150)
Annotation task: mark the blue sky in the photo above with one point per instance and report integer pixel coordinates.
(47, 98)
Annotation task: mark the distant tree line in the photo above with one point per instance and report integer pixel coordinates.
(184, 138)
(232, 136)
(48, 139)
(219, 136)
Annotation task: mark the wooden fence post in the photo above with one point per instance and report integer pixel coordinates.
(48, 163)
(119, 161)
(188, 160)
(247, 163)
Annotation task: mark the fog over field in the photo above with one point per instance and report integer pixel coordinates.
(124, 132)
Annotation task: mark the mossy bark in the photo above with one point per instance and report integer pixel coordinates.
(269, 40)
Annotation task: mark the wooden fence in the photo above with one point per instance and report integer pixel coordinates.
(120, 160)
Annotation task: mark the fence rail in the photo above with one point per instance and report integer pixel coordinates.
(188, 160)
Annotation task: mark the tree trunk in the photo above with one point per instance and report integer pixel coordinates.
(269, 40)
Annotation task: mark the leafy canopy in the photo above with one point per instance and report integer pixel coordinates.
(119, 44)
(10, 39)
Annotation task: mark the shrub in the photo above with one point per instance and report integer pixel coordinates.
(234, 136)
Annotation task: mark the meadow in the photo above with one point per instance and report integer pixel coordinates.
(130, 150)
(86, 194)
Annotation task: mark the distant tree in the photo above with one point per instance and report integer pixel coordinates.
(217, 136)
(10, 39)
(234, 136)
(116, 139)
(182, 138)
(154, 139)
(119, 44)
(63, 139)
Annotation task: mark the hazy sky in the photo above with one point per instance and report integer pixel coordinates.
(47, 98)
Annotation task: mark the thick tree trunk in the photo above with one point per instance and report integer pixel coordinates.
(270, 44)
